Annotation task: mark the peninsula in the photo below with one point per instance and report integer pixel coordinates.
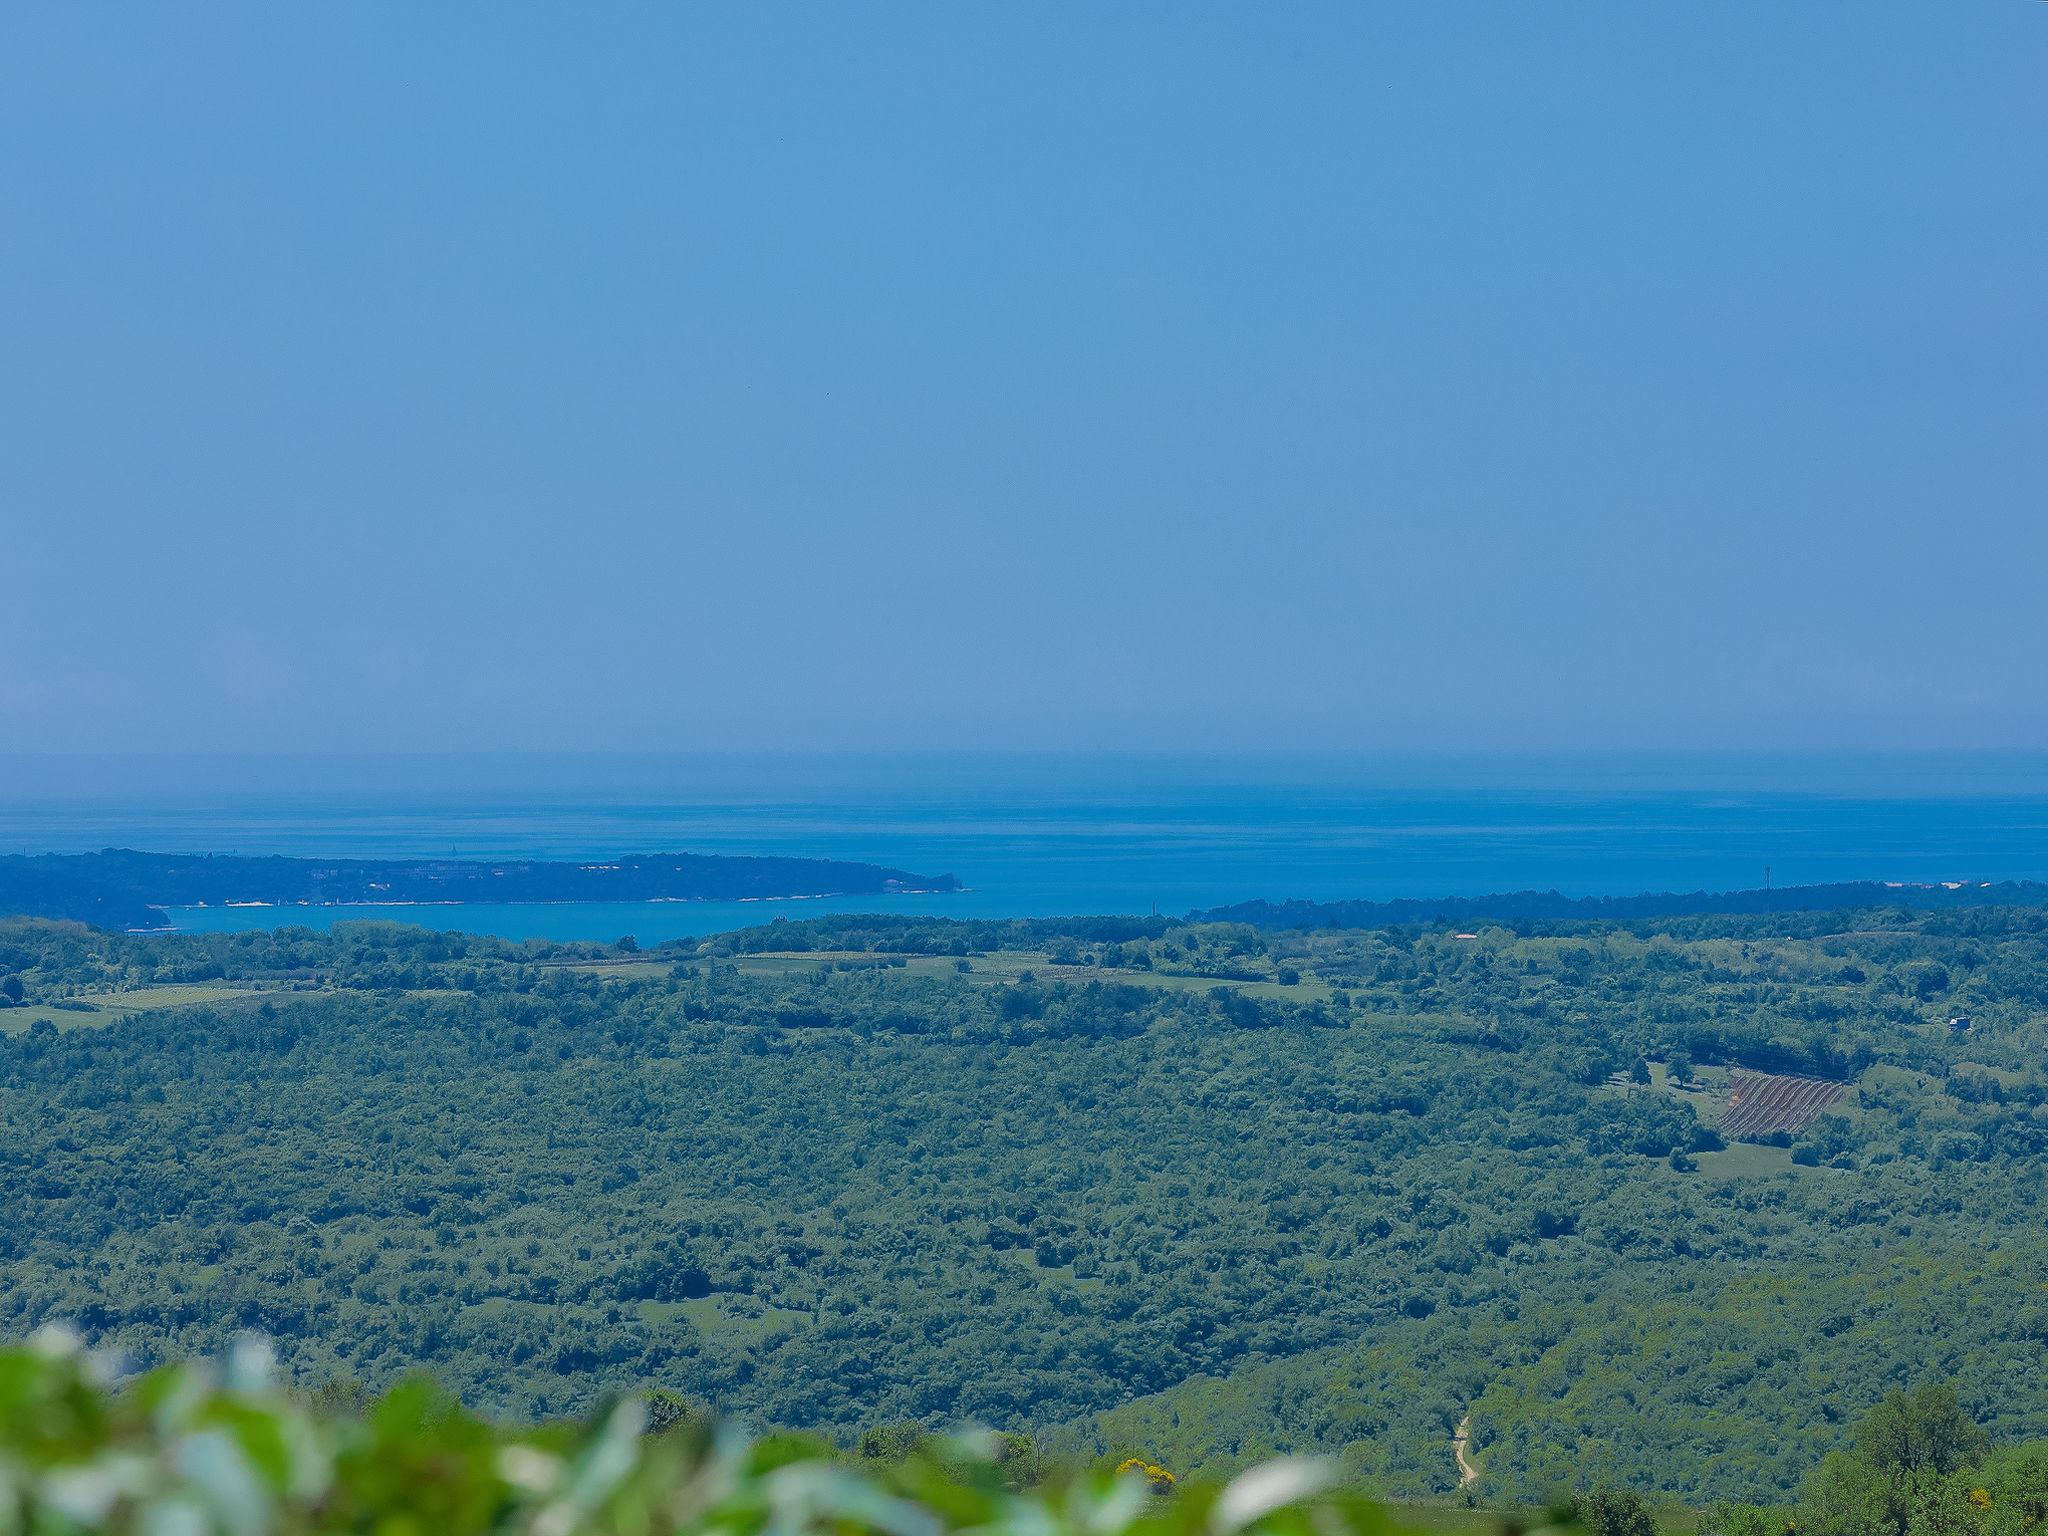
(121, 888)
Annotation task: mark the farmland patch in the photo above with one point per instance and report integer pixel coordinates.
(1764, 1104)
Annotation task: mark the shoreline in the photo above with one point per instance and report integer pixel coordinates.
(645, 901)
(562, 901)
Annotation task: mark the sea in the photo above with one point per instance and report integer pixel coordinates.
(1052, 834)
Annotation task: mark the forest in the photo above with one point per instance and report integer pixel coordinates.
(1199, 1192)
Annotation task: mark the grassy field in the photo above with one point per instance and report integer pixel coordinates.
(100, 1009)
(731, 1319)
(106, 1007)
(996, 968)
(1748, 1159)
(622, 970)
(1009, 964)
(993, 968)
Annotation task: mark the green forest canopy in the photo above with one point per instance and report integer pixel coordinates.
(1199, 1191)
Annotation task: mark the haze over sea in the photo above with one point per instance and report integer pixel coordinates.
(1065, 833)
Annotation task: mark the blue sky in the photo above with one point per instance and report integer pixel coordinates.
(1436, 376)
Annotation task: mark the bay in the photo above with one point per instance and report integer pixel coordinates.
(1070, 833)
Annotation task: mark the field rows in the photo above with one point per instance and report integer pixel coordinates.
(1765, 1103)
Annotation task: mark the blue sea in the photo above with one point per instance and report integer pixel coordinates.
(1065, 833)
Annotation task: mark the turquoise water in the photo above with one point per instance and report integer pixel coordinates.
(1062, 835)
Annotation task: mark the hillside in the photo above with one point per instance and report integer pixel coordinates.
(1199, 1191)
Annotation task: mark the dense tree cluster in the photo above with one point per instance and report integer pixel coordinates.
(1917, 1465)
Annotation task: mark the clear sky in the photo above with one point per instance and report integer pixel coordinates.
(1438, 375)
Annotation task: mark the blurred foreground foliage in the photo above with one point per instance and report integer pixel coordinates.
(189, 1451)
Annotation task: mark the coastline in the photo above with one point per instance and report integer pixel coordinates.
(557, 901)
(563, 921)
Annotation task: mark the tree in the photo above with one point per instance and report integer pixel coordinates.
(2011, 1487)
(1850, 1497)
(1726, 1519)
(1891, 1484)
(669, 1409)
(1925, 1430)
(1616, 1512)
(891, 1442)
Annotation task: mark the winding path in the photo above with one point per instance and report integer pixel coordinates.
(1468, 1474)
